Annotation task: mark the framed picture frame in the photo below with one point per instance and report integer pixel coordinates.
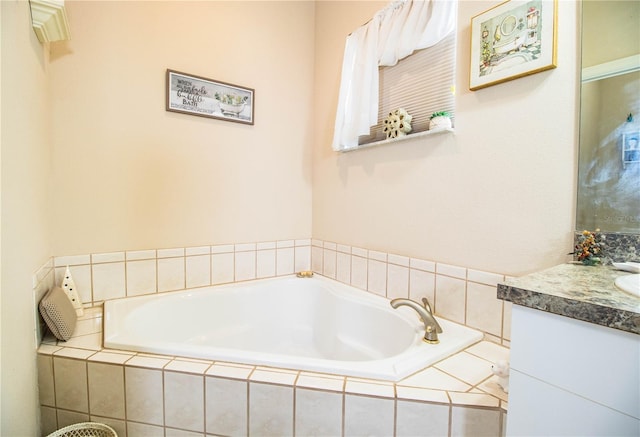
(196, 95)
(630, 148)
(511, 40)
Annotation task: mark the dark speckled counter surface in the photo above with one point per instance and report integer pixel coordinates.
(580, 292)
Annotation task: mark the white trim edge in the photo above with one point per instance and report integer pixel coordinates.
(49, 20)
(612, 68)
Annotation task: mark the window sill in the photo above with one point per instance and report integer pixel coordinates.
(422, 134)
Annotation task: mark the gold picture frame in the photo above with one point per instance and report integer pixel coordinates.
(512, 40)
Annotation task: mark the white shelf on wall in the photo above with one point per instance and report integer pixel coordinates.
(423, 134)
(49, 20)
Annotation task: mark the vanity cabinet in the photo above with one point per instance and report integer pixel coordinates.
(575, 354)
(572, 378)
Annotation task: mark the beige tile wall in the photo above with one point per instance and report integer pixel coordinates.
(104, 276)
(456, 293)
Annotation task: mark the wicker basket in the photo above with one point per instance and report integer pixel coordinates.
(85, 429)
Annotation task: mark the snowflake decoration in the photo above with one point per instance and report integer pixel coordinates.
(397, 124)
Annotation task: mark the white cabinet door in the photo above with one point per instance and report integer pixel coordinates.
(540, 409)
(570, 377)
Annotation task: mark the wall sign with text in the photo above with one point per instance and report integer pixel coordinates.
(204, 97)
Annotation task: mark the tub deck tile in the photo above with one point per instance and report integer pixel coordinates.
(274, 376)
(369, 388)
(92, 313)
(464, 379)
(48, 349)
(489, 351)
(229, 370)
(114, 357)
(90, 341)
(86, 326)
(430, 389)
(466, 367)
(491, 386)
(321, 381)
(183, 366)
(194, 360)
(149, 355)
(434, 379)
(422, 394)
(473, 399)
(70, 352)
(148, 362)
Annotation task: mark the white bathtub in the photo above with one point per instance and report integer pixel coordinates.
(314, 324)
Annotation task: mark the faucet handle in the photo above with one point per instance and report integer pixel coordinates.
(425, 303)
(427, 306)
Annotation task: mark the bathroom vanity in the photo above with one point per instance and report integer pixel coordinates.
(575, 354)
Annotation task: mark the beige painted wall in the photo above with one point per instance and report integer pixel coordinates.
(129, 175)
(496, 196)
(610, 30)
(25, 157)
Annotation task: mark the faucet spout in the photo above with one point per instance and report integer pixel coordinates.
(431, 325)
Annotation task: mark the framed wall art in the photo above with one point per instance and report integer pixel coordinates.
(630, 148)
(204, 97)
(514, 39)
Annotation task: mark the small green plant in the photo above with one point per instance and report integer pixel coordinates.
(231, 99)
(440, 114)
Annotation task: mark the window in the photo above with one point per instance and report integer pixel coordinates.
(421, 83)
(392, 34)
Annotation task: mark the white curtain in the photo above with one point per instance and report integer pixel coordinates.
(392, 34)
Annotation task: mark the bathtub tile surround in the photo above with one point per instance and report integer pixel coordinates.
(270, 409)
(414, 418)
(318, 412)
(368, 415)
(465, 296)
(145, 394)
(108, 281)
(462, 295)
(105, 276)
(141, 277)
(482, 299)
(226, 405)
(106, 389)
(184, 401)
(198, 268)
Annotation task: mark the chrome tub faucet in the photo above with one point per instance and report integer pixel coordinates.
(431, 325)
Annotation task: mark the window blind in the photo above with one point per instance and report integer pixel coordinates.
(421, 83)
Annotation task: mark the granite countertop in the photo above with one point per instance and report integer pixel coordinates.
(580, 292)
